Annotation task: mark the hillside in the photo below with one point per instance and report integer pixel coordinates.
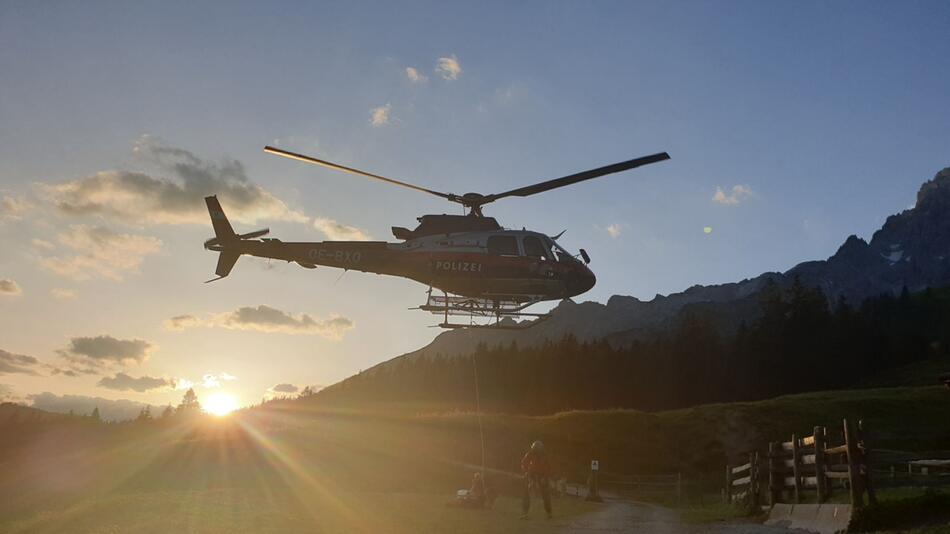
(798, 344)
(696, 441)
(17, 413)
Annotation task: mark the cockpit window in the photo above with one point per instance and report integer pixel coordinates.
(560, 253)
(535, 248)
(503, 245)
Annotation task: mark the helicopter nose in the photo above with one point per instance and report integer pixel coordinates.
(582, 282)
(588, 280)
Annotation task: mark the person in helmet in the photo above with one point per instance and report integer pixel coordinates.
(537, 473)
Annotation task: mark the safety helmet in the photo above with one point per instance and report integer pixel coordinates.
(537, 446)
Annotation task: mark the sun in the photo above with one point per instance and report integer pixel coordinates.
(220, 404)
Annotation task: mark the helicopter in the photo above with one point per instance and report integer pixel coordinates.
(486, 273)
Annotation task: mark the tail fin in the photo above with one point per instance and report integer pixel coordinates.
(226, 261)
(223, 235)
(222, 227)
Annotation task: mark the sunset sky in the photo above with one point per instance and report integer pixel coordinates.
(790, 126)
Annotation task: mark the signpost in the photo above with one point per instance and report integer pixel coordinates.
(593, 494)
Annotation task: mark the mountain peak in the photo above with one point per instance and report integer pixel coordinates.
(852, 246)
(939, 187)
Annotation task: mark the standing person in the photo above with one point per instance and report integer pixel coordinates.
(537, 472)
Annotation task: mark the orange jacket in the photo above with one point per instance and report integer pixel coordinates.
(535, 463)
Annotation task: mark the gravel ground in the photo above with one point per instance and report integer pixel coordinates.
(626, 516)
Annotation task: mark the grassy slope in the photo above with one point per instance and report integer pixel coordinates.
(924, 373)
(265, 471)
(294, 465)
(239, 510)
(698, 441)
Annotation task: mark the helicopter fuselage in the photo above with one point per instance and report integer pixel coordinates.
(513, 265)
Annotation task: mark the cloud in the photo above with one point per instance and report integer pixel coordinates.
(11, 363)
(284, 388)
(73, 372)
(415, 76)
(184, 383)
(448, 68)
(338, 231)
(9, 288)
(6, 393)
(42, 244)
(105, 350)
(14, 207)
(738, 194)
(142, 384)
(268, 320)
(109, 410)
(62, 293)
(100, 253)
(208, 381)
(174, 197)
(380, 116)
(181, 322)
(214, 380)
(614, 230)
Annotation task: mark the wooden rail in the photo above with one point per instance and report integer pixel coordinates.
(809, 464)
(742, 482)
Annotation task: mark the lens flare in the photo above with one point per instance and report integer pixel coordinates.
(220, 404)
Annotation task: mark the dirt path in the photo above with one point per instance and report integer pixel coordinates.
(619, 515)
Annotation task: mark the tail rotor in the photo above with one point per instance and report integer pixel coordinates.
(225, 240)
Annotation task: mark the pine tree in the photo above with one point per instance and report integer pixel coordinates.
(145, 414)
(95, 414)
(167, 412)
(189, 403)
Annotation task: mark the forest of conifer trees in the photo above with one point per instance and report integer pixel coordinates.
(800, 342)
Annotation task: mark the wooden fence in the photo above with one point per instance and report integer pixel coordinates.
(742, 482)
(806, 464)
(811, 463)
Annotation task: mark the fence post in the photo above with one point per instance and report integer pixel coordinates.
(754, 479)
(679, 489)
(796, 469)
(854, 476)
(865, 452)
(820, 480)
(829, 485)
(728, 484)
(773, 475)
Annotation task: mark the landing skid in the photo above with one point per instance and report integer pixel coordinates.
(482, 312)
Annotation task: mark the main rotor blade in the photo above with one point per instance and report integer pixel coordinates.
(338, 167)
(579, 177)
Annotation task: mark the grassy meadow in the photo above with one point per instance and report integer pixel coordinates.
(294, 466)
